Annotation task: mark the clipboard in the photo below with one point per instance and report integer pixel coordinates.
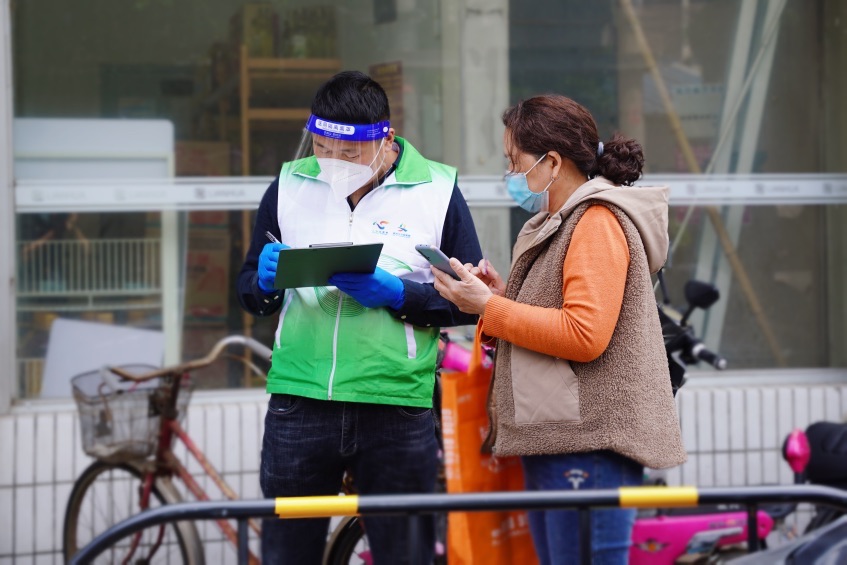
(312, 266)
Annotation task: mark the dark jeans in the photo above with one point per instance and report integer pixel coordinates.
(555, 533)
(308, 445)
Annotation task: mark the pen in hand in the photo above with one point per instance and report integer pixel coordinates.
(271, 237)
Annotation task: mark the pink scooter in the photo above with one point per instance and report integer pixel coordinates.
(663, 539)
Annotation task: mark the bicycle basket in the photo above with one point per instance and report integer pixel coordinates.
(119, 419)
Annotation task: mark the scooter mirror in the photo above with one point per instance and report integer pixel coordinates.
(701, 294)
(796, 450)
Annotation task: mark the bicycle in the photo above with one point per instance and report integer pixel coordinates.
(129, 424)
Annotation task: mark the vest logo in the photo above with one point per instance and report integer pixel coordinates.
(381, 227)
(402, 231)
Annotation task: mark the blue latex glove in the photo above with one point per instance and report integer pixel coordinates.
(268, 259)
(372, 290)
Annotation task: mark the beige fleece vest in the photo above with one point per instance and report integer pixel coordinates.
(621, 401)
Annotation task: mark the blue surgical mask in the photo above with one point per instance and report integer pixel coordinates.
(518, 188)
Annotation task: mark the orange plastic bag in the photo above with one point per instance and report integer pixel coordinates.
(476, 538)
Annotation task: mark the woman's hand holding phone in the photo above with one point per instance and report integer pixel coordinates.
(468, 293)
(486, 272)
(437, 259)
(466, 286)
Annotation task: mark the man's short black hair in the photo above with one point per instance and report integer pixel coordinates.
(351, 97)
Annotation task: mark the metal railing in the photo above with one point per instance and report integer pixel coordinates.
(84, 267)
(413, 505)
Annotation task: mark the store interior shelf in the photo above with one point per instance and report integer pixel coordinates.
(306, 66)
(281, 75)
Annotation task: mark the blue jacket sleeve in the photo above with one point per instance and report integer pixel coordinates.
(423, 305)
(251, 298)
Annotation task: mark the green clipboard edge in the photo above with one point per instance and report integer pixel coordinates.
(312, 266)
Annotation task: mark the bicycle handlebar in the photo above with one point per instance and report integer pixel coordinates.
(702, 353)
(258, 348)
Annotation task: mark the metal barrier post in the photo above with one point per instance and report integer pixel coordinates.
(243, 548)
(418, 504)
(585, 536)
(414, 538)
(181, 511)
(752, 527)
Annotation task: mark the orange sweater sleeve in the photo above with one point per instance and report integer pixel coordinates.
(594, 271)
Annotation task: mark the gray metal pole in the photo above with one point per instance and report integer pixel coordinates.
(8, 326)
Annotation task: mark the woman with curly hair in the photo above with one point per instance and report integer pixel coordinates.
(581, 389)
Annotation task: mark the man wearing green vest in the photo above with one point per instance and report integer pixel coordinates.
(353, 366)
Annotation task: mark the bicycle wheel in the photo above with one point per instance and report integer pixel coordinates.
(106, 494)
(348, 544)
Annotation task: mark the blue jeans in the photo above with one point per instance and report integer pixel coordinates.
(555, 533)
(308, 445)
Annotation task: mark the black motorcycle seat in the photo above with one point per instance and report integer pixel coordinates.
(828, 463)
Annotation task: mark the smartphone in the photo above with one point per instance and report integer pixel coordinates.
(437, 259)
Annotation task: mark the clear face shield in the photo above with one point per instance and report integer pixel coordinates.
(350, 156)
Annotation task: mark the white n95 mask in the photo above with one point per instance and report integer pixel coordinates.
(344, 177)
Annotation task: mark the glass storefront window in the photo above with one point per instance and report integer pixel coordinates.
(752, 88)
(235, 83)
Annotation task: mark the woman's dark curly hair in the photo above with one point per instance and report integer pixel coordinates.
(552, 122)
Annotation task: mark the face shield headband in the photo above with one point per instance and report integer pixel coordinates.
(348, 132)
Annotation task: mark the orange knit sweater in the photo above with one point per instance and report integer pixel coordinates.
(594, 271)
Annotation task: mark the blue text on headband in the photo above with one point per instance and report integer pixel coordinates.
(347, 132)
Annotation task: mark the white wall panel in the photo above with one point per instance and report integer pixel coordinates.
(251, 441)
(231, 437)
(720, 419)
(770, 439)
(832, 401)
(45, 516)
(62, 494)
(801, 408)
(752, 424)
(737, 434)
(705, 431)
(7, 450)
(723, 470)
(194, 424)
(24, 460)
(66, 437)
(785, 409)
(24, 525)
(7, 503)
(44, 452)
